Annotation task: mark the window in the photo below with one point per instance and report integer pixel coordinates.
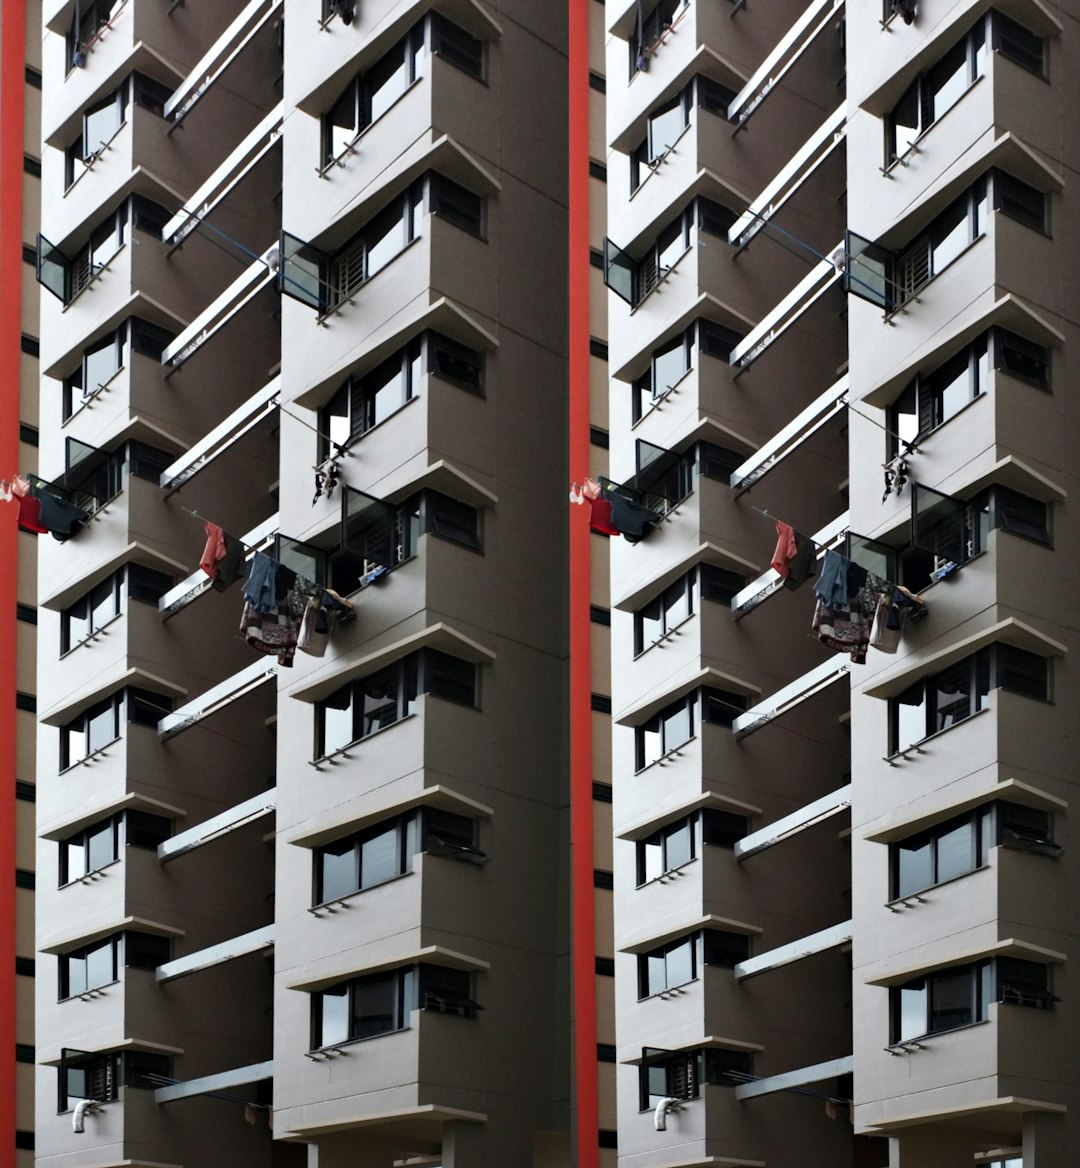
(945, 851)
(935, 92)
(100, 123)
(961, 844)
(365, 859)
(451, 519)
(597, 81)
(930, 400)
(1019, 515)
(719, 584)
(66, 276)
(88, 19)
(679, 962)
(146, 584)
(96, 727)
(723, 829)
(90, 613)
(601, 792)
(25, 966)
(455, 45)
(713, 96)
(650, 28)
(89, 968)
(961, 996)
(665, 125)
(325, 281)
(26, 613)
(99, 845)
(24, 878)
(604, 966)
(99, 364)
(98, 1076)
(668, 967)
(362, 707)
(368, 96)
(945, 699)
(361, 403)
(1014, 41)
(669, 848)
(666, 1074)
(669, 365)
(379, 1004)
(89, 850)
(665, 732)
(1019, 201)
(664, 613)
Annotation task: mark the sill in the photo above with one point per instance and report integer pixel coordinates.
(334, 755)
(664, 758)
(920, 892)
(92, 637)
(667, 993)
(318, 1053)
(328, 906)
(93, 992)
(89, 758)
(665, 876)
(893, 1047)
(666, 637)
(89, 877)
(917, 746)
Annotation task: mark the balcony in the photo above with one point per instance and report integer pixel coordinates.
(216, 698)
(794, 694)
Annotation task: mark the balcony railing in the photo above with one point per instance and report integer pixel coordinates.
(219, 57)
(782, 829)
(257, 941)
(786, 441)
(795, 693)
(790, 48)
(218, 825)
(216, 698)
(820, 942)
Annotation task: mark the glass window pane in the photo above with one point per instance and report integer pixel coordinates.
(374, 1006)
(670, 364)
(386, 82)
(677, 727)
(101, 123)
(679, 846)
(337, 874)
(384, 391)
(385, 237)
(340, 124)
(951, 1001)
(956, 852)
(378, 696)
(909, 712)
(334, 1021)
(77, 619)
(680, 964)
(951, 694)
(73, 859)
(951, 235)
(947, 82)
(100, 845)
(650, 623)
(648, 744)
(912, 1020)
(103, 599)
(670, 246)
(914, 866)
(101, 728)
(655, 974)
(650, 860)
(904, 122)
(379, 857)
(665, 126)
(676, 605)
(337, 728)
(100, 965)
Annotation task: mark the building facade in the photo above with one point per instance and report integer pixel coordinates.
(838, 248)
(472, 832)
(282, 250)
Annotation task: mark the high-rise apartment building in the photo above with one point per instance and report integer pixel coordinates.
(545, 845)
(839, 248)
(302, 275)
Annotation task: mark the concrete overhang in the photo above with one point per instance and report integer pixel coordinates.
(704, 553)
(1011, 947)
(643, 941)
(708, 800)
(105, 687)
(132, 801)
(1012, 790)
(330, 826)
(438, 636)
(66, 942)
(428, 954)
(406, 1117)
(1010, 631)
(644, 710)
(134, 553)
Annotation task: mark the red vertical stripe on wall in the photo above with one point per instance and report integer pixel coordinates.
(12, 95)
(581, 803)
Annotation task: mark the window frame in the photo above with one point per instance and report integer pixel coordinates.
(680, 592)
(99, 595)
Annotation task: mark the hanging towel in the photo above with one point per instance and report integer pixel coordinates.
(30, 515)
(633, 519)
(230, 567)
(260, 591)
(785, 549)
(600, 517)
(832, 586)
(214, 550)
(803, 566)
